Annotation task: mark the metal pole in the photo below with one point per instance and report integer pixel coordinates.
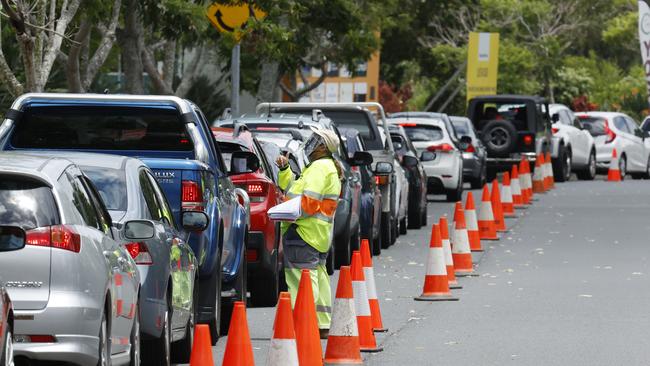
(234, 76)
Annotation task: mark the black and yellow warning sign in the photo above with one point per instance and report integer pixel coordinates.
(232, 19)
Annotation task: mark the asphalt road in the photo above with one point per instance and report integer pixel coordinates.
(567, 285)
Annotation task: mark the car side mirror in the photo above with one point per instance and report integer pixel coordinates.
(243, 162)
(428, 156)
(12, 238)
(410, 161)
(194, 221)
(555, 117)
(139, 230)
(361, 158)
(383, 168)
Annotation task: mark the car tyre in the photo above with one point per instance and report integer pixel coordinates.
(342, 247)
(415, 216)
(104, 346)
(394, 231)
(182, 349)
(355, 241)
(403, 226)
(562, 165)
(622, 166)
(7, 358)
(135, 340)
(158, 351)
(479, 182)
(499, 137)
(456, 194)
(386, 229)
(589, 173)
(329, 262)
(228, 305)
(646, 175)
(265, 289)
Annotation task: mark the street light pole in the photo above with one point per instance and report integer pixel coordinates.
(234, 78)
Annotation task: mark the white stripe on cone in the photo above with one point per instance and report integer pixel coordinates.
(486, 213)
(537, 175)
(613, 164)
(369, 274)
(344, 319)
(506, 194)
(470, 220)
(436, 263)
(446, 247)
(361, 306)
(461, 242)
(283, 352)
(529, 181)
(515, 187)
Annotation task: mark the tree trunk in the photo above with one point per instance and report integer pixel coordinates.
(72, 67)
(129, 39)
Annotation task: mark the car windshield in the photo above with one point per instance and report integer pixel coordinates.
(595, 125)
(83, 127)
(462, 128)
(26, 203)
(111, 184)
(419, 133)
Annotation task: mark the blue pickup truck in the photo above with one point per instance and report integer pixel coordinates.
(173, 138)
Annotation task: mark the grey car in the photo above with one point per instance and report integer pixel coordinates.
(74, 288)
(6, 310)
(166, 263)
(474, 156)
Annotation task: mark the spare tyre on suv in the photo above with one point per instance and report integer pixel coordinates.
(511, 126)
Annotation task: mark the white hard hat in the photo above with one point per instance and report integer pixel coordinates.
(330, 138)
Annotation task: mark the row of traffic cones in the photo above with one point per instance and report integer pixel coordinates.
(356, 317)
(468, 230)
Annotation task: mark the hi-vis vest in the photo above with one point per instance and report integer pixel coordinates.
(320, 187)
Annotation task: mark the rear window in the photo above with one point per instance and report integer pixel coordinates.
(26, 203)
(595, 125)
(111, 184)
(462, 128)
(358, 121)
(424, 133)
(101, 128)
(227, 148)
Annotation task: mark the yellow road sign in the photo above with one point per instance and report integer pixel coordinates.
(232, 19)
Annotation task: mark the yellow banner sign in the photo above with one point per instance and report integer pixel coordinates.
(482, 64)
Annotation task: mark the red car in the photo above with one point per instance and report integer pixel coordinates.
(263, 250)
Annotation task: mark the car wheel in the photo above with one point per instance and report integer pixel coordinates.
(355, 241)
(622, 166)
(499, 137)
(424, 219)
(158, 351)
(265, 289)
(394, 231)
(647, 170)
(228, 305)
(182, 349)
(386, 229)
(134, 339)
(7, 357)
(403, 229)
(456, 195)
(342, 247)
(589, 173)
(479, 182)
(415, 216)
(562, 165)
(104, 346)
(329, 263)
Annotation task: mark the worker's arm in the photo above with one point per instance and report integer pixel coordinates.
(285, 178)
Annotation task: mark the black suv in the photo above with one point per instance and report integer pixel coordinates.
(511, 126)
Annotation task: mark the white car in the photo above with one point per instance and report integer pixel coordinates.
(441, 158)
(576, 147)
(614, 130)
(401, 192)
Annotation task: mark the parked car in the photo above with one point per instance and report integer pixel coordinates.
(263, 249)
(441, 158)
(645, 125)
(172, 137)
(576, 143)
(360, 117)
(167, 265)
(474, 156)
(511, 127)
(346, 219)
(370, 193)
(614, 130)
(415, 175)
(9, 240)
(78, 302)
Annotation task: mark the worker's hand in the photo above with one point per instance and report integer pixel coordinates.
(282, 161)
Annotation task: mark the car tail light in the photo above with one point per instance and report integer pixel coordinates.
(252, 255)
(555, 130)
(470, 148)
(256, 190)
(140, 253)
(528, 140)
(441, 148)
(611, 135)
(34, 338)
(408, 124)
(191, 195)
(381, 180)
(58, 236)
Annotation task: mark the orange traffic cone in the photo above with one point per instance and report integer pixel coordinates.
(614, 173)
(449, 259)
(538, 176)
(282, 295)
(343, 341)
(310, 351)
(507, 201)
(529, 178)
(549, 171)
(202, 347)
(524, 180)
(436, 283)
(373, 301)
(486, 226)
(472, 224)
(367, 340)
(497, 208)
(239, 351)
(515, 185)
(283, 349)
(460, 245)
(545, 177)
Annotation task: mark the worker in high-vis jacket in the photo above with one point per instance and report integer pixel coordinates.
(307, 240)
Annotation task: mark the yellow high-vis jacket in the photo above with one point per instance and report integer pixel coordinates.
(320, 188)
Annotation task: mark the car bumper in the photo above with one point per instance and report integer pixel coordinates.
(471, 166)
(445, 176)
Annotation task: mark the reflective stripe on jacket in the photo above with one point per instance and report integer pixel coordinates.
(320, 188)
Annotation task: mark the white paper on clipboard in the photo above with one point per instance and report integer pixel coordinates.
(286, 211)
